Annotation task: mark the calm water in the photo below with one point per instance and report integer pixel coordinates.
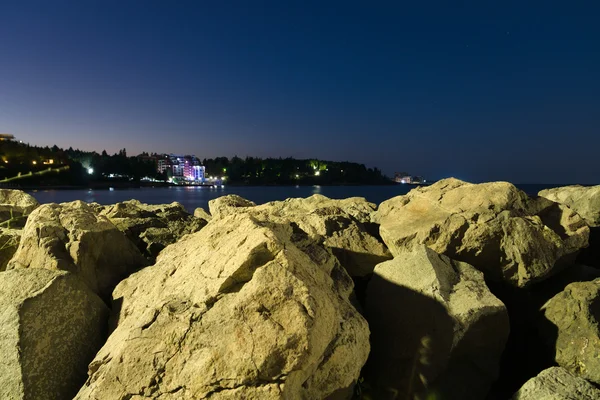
(192, 197)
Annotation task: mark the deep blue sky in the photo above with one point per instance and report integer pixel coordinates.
(482, 90)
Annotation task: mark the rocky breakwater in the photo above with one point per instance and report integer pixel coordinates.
(240, 310)
(456, 283)
(493, 226)
(518, 242)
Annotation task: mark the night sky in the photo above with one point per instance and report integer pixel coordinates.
(482, 90)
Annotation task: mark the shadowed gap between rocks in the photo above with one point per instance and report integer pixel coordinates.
(528, 350)
(411, 336)
(591, 255)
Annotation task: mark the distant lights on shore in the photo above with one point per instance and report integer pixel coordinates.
(90, 171)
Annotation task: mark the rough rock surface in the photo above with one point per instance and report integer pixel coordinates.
(557, 384)
(584, 200)
(9, 241)
(15, 205)
(51, 326)
(574, 331)
(342, 225)
(227, 205)
(243, 309)
(434, 318)
(202, 214)
(72, 237)
(152, 227)
(493, 226)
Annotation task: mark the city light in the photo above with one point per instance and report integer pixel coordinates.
(34, 162)
(90, 171)
(317, 173)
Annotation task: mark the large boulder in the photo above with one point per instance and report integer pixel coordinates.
(15, 205)
(51, 326)
(584, 200)
(242, 309)
(344, 226)
(493, 226)
(152, 227)
(9, 241)
(557, 384)
(572, 328)
(72, 237)
(435, 326)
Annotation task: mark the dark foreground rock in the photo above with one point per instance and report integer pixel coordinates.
(51, 326)
(152, 227)
(557, 384)
(72, 237)
(435, 327)
(239, 310)
(493, 226)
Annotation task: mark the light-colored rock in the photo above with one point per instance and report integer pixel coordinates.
(227, 205)
(51, 326)
(15, 205)
(557, 384)
(344, 226)
(202, 214)
(584, 200)
(493, 226)
(238, 310)
(9, 241)
(72, 237)
(152, 227)
(434, 321)
(573, 329)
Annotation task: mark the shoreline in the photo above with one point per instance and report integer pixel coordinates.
(168, 185)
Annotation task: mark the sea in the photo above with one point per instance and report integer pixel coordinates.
(192, 197)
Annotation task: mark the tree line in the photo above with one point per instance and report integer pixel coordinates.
(84, 166)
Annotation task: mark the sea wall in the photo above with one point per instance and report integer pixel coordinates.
(453, 291)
